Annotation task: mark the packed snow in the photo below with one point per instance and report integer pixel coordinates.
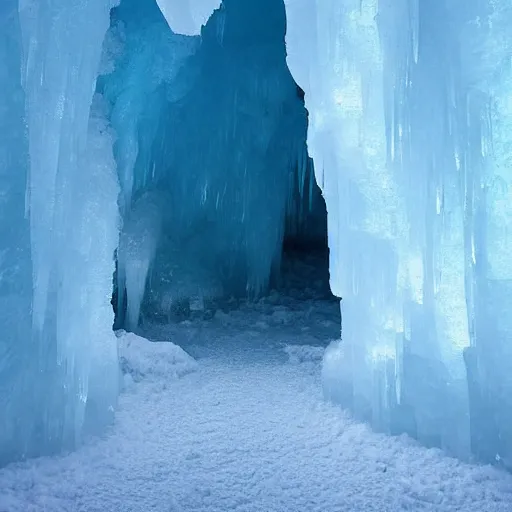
(235, 420)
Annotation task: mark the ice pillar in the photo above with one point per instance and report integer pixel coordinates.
(486, 73)
(62, 364)
(410, 132)
(16, 347)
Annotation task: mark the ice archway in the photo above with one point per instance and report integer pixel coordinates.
(410, 129)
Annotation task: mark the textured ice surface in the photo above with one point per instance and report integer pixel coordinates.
(247, 431)
(61, 358)
(17, 396)
(410, 129)
(236, 166)
(145, 58)
(410, 133)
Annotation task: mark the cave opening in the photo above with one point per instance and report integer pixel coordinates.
(219, 201)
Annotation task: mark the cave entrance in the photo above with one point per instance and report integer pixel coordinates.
(219, 199)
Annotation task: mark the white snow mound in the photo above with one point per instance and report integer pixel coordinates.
(144, 359)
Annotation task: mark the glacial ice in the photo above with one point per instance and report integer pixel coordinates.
(410, 131)
(59, 354)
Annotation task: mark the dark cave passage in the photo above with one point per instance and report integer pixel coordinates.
(219, 198)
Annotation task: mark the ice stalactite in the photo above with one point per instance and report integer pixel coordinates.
(187, 16)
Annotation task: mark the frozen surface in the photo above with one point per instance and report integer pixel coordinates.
(248, 430)
(409, 129)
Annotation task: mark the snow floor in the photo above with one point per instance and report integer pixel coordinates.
(242, 426)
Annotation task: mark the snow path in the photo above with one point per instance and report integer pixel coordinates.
(247, 431)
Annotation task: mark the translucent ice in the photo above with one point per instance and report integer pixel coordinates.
(62, 232)
(17, 393)
(410, 133)
(410, 129)
(138, 243)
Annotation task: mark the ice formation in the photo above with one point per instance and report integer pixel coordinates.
(218, 124)
(138, 243)
(58, 373)
(16, 395)
(410, 132)
(194, 147)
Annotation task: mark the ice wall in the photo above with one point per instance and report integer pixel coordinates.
(409, 129)
(485, 154)
(60, 356)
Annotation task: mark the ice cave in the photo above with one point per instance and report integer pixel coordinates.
(255, 255)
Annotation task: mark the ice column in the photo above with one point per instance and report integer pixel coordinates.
(410, 129)
(344, 85)
(486, 50)
(17, 352)
(423, 136)
(72, 202)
